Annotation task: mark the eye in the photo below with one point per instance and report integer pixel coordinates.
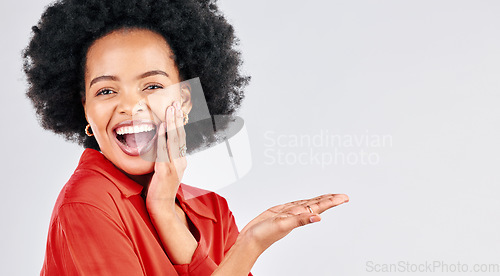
(105, 91)
(153, 87)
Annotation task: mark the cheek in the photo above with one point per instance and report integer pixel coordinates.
(99, 117)
(160, 100)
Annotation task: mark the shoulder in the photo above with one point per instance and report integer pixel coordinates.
(88, 188)
(97, 182)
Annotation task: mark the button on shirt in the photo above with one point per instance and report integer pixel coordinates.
(100, 226)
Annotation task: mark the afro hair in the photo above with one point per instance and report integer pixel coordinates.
(202, 41)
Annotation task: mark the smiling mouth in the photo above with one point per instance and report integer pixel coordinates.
(135, 137)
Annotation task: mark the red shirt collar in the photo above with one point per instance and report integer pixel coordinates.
(95, 161)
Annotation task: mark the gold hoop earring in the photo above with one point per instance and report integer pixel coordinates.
(186, 117)
(87, 131)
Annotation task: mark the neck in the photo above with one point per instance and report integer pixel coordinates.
(142, 180)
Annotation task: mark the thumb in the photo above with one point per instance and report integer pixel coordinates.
(293, 222)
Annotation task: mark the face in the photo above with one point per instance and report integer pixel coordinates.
(124, 70)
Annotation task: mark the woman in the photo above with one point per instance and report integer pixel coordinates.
(96, 69)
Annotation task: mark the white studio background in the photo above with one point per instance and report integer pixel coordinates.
(423, 74)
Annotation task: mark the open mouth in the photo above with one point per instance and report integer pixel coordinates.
(135, 137)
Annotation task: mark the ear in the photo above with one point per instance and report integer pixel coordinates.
(186, 103)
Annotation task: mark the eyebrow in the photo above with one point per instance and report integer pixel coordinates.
(152, 73)
(142, 76)
(103, 78)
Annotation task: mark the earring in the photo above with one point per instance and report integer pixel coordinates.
(186, 117)
(87, 131)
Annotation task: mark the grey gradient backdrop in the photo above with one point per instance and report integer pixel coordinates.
(426, 73)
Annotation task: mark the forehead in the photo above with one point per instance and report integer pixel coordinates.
(128, 51)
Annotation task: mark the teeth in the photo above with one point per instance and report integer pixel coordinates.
(134, 129)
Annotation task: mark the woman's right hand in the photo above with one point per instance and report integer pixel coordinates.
(276, 222)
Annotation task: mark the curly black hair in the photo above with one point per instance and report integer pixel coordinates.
(202, 41)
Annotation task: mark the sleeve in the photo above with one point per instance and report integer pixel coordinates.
(232, 234)
(201, 264)
(84, 240)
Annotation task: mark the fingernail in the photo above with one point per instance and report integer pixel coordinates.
(314, 219)
(171, 109)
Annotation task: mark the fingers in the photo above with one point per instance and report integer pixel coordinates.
(179, 123)
(169, 150)
(175, 131)
(287, 224)
(180, 132)
(161, 149)
(315, 205)
(323, 203)
(307, 211)
(173, 138)
(280, 220)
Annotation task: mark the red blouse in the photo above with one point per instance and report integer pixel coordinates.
(100, 226)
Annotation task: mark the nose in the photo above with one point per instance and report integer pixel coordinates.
(131, 103)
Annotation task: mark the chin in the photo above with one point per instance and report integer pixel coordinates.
(138, 166)
(131, 165)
